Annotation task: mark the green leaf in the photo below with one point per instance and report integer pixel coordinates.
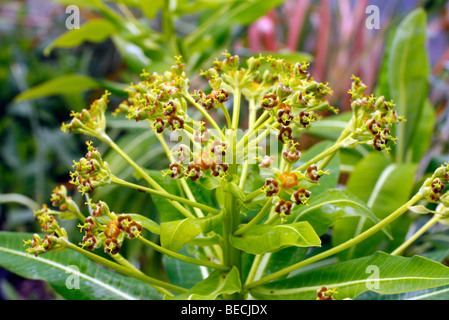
(259, 239)
(216, 284)
(176, 234)
(184, 274)
(423, 133)
(71, 83)
(384, 186)
(329, 207)
(408, 71)
(352, 278)
(95, 282)
(96, 30)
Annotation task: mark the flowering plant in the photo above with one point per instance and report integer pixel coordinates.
(268, 208)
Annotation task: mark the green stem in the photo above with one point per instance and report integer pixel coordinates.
(251, 120)
(121, 260)
(228, 117)
(166, 195)
(262, 213)
(324, 154)
(416, 235)
(144, 175)
(368, 233)
(181, 257)
(236, 109)
(126, 271)
(206, 115)
(184, 184)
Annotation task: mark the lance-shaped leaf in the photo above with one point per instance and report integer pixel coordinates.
(330, 207)
(93, 31)
(218, 283)
(381, 273)
(66, 84)
(268, 238)
(176, 234)
(68, 270)
(408, 71)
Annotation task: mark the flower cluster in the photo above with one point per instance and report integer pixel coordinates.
(158, 99)
(110, 234)
(372, 116)
(90, 171)
(90, 121)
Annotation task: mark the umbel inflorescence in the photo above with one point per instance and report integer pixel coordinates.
(280, 99)
(283, 99)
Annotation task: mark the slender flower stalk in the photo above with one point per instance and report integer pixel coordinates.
(366, 234)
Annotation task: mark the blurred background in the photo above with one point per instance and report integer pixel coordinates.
(46, 71)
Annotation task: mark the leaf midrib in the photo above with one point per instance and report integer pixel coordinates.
(69, 270)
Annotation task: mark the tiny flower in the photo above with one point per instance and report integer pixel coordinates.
(159, 125)
(285, 134)
(284, 115)
(99, 209)
(176, 123)
(218, 148)
(325, 294)
(176, 170)
(111, 246)
(271, 187)
(134, 229)
(201, 137)
(208, 102)
(182, 153)
(288, 180)
(193, 172)
(221, 95)
(219, 169)
(379, 143)
(291, 155)
(266, 161)
(123, 222)
(283, 208)
(170, 109)
(374, 127)
(301, 196)
(314, 174)
(436, 188)
(269, 101)
(89, 242)
(89, 225)
(306, 118)
(283, 91)
(112, 229)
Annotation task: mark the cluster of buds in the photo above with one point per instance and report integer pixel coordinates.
(91, 171)
(195, 165)
(50, 243)
(158, 99)
(373, 116)
(112, 234)
(68, 208)
(57, 238)
(214, 99)
(90, 121)
(295, 98)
